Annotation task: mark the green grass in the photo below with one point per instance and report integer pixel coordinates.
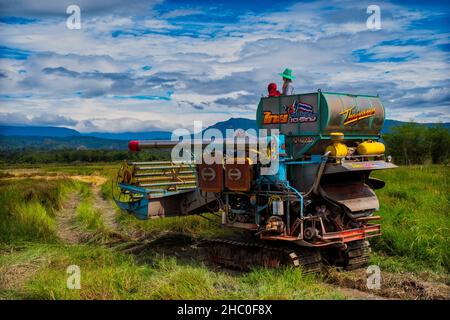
(88, 217)
(107, 188)
(85, 191)
(28, 206)
(415, 209)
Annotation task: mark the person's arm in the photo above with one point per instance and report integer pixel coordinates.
(289, 89)
(285, 89)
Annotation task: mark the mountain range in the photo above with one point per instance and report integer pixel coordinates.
(41, 137)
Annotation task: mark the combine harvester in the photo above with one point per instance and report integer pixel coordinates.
(318, 206)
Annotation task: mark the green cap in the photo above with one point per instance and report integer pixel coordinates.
(287, 73)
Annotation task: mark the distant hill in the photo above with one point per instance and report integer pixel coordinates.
(34, 131)
(50, 138)
(234, 123)
(146, 135)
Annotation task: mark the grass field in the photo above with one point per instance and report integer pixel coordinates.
(35, 253)
(415, 207)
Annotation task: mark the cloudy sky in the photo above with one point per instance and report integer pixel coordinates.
(145, 65)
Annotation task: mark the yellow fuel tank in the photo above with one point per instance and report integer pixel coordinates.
(370, 148)
(337, 149)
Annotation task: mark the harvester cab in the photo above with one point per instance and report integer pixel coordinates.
(309, 194)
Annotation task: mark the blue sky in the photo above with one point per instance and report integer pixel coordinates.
(147, 65)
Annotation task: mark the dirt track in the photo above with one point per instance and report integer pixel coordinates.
(393, 285)
(65, 220)
(105, 207)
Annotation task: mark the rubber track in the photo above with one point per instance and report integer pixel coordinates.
(357, 254)
(245, 255)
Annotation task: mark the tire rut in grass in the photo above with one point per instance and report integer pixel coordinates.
(65, 220)
(393, 285)
(105, 207)
(355, 294)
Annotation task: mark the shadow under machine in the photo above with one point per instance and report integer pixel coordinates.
(318, 206)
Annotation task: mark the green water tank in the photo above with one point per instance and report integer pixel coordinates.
(308, 119)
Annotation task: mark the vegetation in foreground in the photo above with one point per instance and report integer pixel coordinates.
(111, 275)
(415, 210)
(33, 260)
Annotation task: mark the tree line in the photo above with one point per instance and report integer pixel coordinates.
(413, 143)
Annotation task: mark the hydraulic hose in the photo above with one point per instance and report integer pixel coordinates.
(300, 196)
(315, 186)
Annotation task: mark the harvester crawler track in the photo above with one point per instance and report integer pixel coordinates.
(245, 255)
(356, 255)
